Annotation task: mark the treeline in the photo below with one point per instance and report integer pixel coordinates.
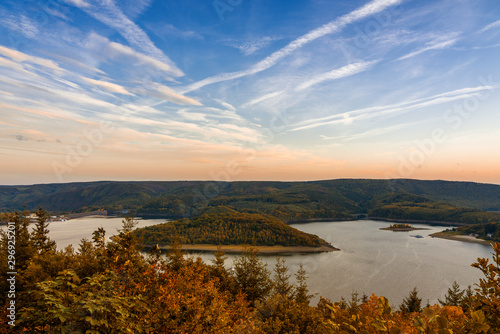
(488, 231)
(413, 207)
(224, 226)
(296, 199)
(284, 206)
(110, 287)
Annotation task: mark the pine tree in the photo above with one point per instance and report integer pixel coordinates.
(218, 270)
(301, 291)
(40, 234)
(412, 303)
(251, 276)
(453, 297)
(99, 238)
(281, 281)
(175, 256)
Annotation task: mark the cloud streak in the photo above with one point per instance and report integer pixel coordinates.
(434, 46)
(113, 50)
(345, 71)
(107, 12)
(168, 94)
(24, 58)
(108, 86)
(336, 25)
(406, 106)
(493, 25)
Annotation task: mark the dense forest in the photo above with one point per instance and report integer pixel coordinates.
(295, 199)
(412, 207)
(224, 226)
(110, 287)
(457, 203)
(488, 231)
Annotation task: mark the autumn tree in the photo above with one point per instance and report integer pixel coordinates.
(488, 289)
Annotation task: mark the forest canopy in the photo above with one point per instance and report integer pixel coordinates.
(224, 226)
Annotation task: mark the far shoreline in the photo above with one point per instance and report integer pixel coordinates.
(458, 237)
(260, 249)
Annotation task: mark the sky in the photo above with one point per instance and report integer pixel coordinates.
(229, 90)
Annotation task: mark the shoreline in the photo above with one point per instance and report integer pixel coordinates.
(260, 249)
(458, 237)
(405, 229)
(416, 221)
(318, 220)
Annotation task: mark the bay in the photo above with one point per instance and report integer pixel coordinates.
(371, 260)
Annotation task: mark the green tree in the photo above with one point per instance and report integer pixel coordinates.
(301, 291)
(411, 303)
(281, 281)
(251, 276)
(454, 296)
(40, 234)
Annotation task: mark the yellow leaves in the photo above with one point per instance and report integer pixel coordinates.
(395, 330)
(384, 307)
(478, 324)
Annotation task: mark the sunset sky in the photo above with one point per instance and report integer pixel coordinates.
(249, 90)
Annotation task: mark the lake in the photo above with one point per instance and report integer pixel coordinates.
(386, 263)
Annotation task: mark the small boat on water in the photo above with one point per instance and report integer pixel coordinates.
(418, 236)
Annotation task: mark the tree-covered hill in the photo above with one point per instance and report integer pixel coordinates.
(224, 226)
(404, 206)
(285, 200)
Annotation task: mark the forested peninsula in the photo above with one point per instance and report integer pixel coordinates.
(226, 227)
(111, 287)
(473, 207)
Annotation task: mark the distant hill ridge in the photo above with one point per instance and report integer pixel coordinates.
(285, 200)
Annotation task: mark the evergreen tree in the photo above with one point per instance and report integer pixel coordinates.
(40, 234)
(412, 303)
(468, 299)
(251, 276)
(454, 296)
(281, 281)
(218, 270)
(175, 256)
(99, 238)
(301, 291)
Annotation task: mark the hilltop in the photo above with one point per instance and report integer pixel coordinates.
(224, 226)
(286, 200)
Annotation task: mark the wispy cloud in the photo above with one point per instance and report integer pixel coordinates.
(262, 98)
(78, 3)
(107, 12)
(113, 50)
(166, 30)
(336, 25)
(252, 46)
(168, 94)
(226, 105)
(109, 86)
(338, 73)
(436, 45)
(22, 57)
(406, 106)
(19, 23)
(370, 133)
(493, 25)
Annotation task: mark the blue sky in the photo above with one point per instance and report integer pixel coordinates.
(249, 90)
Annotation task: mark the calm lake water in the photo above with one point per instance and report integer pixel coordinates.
(386, 263)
